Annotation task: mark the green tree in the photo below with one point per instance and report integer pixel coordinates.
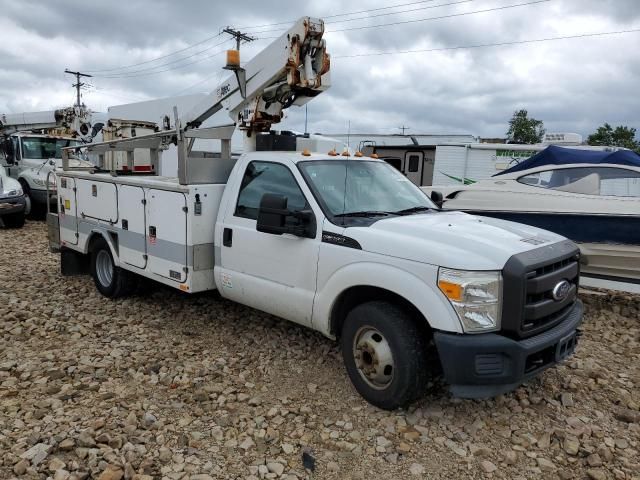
(523, 129)
(620, 136)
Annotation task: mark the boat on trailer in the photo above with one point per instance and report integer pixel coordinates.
(590, 197)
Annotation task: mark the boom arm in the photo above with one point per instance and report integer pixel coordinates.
(292, 70)
(76, 119)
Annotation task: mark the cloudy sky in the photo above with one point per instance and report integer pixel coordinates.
(573, 85)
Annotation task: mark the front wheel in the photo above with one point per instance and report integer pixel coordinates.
(386, 354)
(111, 281)
(14, 220)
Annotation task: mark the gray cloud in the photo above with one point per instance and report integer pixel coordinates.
(573, 85)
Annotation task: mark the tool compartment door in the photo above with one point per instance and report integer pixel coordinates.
(166, 234)
(131, 239)
(99, 201)
(67, 211)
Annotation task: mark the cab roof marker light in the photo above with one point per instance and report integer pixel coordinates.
(333, 153)
(374, 155)
(306, 152)
(346, 153)
(359, 154)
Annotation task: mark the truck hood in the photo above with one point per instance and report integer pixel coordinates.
(451, 239)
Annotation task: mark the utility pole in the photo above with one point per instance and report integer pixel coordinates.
(78, 83)
(239, 36)
(403, 128)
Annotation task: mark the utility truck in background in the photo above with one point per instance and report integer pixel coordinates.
(342, 244)
(31, 146)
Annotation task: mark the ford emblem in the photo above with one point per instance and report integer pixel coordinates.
(561, 290)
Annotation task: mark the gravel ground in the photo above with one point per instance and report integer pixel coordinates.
(171, 386)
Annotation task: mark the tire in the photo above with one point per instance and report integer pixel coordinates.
(111, 281)
(387, 333)
(14, 220)
(27, 196)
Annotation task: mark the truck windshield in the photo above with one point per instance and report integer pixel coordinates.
(363, 188)
(44, 148)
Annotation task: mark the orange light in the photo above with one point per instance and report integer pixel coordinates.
(333, 153)
(233, 58)
(184, 288)
(453, 291)
(359, 154)
(306, 152)
(345, 153)
(374, 155)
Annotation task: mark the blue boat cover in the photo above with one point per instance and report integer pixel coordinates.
(554, 155)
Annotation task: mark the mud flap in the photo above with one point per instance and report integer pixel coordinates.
(73, 263)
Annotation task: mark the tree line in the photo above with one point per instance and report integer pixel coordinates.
(528, 130)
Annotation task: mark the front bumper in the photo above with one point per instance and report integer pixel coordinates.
(12, 205)
(486, 365)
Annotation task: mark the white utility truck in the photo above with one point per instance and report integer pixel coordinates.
(31, 145)
(342, 244)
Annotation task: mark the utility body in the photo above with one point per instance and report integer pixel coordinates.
(345, 245)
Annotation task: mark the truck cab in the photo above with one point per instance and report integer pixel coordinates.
(29, 157)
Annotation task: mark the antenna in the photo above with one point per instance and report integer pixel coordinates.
(239, 36)
(78, 83)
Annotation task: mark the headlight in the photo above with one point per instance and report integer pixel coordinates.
(38, 181)
(11, 193)
(475, 296)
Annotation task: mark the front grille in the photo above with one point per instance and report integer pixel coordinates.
(529, 281)
(540, 308)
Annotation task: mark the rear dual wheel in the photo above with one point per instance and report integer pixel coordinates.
(14, 220)
(111, 281)
(386, 354)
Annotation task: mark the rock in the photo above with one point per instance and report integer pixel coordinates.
(571, 445)
(148, 420)
(510, 457)
(86, 440)
(37, 453)
(20, 468)
(487, 466)
(628, 416)
(56, 464)
(312, 387)
(416, 469)
(545, 465)
(596, 474)
(247, 443)
(111, 473)
(594, 460)
(566, 399)
(333, 467)
(275, 467)
(67, 444)
(288, 448)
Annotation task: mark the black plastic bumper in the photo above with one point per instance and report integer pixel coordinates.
(486, 365)
(12, 205)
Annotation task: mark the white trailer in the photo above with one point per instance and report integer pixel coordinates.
(344, 245)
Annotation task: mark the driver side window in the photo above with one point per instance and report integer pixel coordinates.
(267, 177)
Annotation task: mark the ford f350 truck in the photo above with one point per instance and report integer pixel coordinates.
(345, 245)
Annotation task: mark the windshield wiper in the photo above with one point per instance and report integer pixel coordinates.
(409, 211)
(364, 214)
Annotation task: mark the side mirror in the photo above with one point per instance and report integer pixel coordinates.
(275, 218)
(9, 153)
(437, 198)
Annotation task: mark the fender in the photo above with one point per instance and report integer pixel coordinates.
(105, 234)
(426, 298)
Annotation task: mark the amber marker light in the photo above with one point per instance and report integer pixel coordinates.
(453, 291)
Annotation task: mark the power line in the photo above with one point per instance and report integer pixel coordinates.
(343, 14)
(380, 15)
(452, 15)
(167, 69)
(157, 58)
(126, 73)
(485, 45)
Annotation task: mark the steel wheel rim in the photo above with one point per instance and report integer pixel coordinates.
(104, 268)
(373, 358)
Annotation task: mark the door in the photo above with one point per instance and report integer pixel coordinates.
(131, 238)
(273, 273)
(413, 166)
(166, 234)
(68, 211)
